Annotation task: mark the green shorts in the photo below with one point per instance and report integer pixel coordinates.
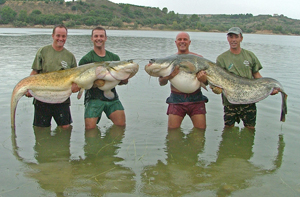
(233, 113)
(95, 107)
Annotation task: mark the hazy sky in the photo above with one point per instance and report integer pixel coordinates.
(289, 8)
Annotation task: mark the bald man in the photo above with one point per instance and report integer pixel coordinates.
(181, 104)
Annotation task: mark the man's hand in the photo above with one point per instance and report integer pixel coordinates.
(75, 88)
(174, 73)
(164, 80)
(202, 76)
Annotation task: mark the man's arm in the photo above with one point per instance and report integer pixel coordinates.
(34, 72)
(202, 77)
(164, 80)
(258, 75)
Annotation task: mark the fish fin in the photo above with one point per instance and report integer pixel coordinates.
(80, 93)
(49, 96)
(188, 66)
(109, 94)
(98, 83)
(283, 106)
(203, 86)
(215, 89)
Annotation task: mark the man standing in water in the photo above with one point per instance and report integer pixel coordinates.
(53, 58)
(95, 102)
(245, 64)
(181, 103)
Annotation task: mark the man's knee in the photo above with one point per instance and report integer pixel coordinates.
(118, 118)
(90, 123)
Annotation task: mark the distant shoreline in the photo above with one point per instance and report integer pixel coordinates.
(265, 32)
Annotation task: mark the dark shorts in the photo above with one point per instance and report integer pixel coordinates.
(176, 97)
(191, 109)
(233, 113)
(95, 107)
(43, 113)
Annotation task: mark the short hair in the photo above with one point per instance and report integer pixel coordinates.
(99, 28)
(59, 26)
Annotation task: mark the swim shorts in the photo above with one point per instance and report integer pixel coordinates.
(95, 107)
(43, 113)
(191, 109)
(233, 113)
(177, 97)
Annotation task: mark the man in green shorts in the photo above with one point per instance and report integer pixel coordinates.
(245, 64)
(95, 102)
(53, 58)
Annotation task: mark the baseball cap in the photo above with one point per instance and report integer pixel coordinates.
(235, 30)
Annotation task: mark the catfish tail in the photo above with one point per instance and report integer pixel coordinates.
(283, 106)
(19, 91)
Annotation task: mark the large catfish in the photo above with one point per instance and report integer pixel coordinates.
(55, 87)
(238, 90)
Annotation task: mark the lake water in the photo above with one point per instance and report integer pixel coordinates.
(145, 159)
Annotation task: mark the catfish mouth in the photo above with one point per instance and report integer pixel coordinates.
(131, 69)
(151, 61)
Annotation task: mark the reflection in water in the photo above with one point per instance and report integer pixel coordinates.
(51, 146)
(179, 175)
(95, 174)
(184, 173)
(232, 170)
(98, 172)
(53, 171)
(147, 123)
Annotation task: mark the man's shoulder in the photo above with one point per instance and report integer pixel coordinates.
(192, 53)
(224, 54)
(112, 55)
(67, 51)
(45, 48)
(87, 58)
(89, 54)
(245, 51)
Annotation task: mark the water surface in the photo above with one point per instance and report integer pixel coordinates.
(145, 159)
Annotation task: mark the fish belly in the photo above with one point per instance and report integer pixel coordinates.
(186, 83)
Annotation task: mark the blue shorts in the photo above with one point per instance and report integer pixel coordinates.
(95, 107)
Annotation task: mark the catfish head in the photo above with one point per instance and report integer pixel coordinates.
(161, 67)
(121, 70)
(189, 63)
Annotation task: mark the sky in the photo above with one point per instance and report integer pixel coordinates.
(289, 8)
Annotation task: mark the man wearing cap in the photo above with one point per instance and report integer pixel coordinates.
(245, 64)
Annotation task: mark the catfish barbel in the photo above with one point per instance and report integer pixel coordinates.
(238, 90)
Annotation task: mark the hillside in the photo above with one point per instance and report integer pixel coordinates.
(89, 13)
